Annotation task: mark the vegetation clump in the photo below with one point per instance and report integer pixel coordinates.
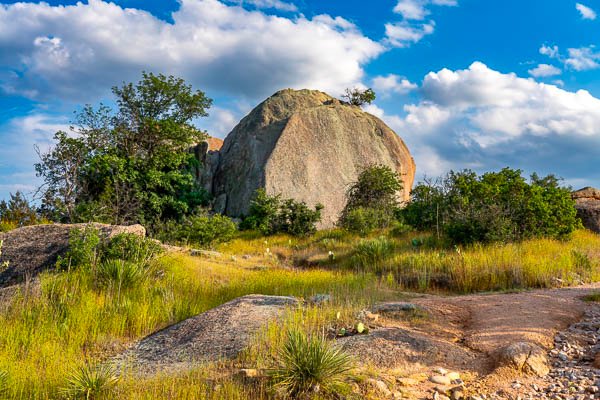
(199, 229)
(271, 214)
(309, 365)
(17, 212)
(358, 97)
(494, 207)
(372, 200)
(89, 382)
(129, 165)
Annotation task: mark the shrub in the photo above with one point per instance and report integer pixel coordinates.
(358, 97)
(83, 249)
(364, 220)
(3, 382)
(17, 212)
(310, 365)
(121, 274)
(200, 229)
(494, 207)
(372, 200)
(271, 214)
(90, 382)
(370, 253)
(131, 247)
(6, 226)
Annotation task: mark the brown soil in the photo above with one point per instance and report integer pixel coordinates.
(465, 333)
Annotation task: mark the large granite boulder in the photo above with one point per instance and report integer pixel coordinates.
(587, 202)
(33, 249)
(308, 146)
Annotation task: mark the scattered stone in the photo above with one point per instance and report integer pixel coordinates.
(525, 357)
(380, 386)
(453, 376)
(396, 307)
(407, 381)
(441, 380)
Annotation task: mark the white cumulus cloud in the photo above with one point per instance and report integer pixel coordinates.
(267, 4)
(544, 70)
(392, 84)
(484, 119)
(76, 52)
(585, 11)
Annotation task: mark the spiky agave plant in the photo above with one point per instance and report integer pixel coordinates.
(310, 365)
(90, 381)
(3, 382)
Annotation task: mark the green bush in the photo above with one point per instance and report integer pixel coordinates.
(3, 382)
(87, 249)
(271, 214)
(370, 253)
(121, 274)
(83, 251)
(131, 247)
(372, 200)
(90, 382)
(309, 365)
(494, 207)
(200, 230)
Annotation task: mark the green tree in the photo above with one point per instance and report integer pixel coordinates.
(131, 164)
(17, 211)
(358, 97)
(494, 207)
(372, 200)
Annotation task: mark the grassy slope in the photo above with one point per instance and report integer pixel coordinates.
(46, 333)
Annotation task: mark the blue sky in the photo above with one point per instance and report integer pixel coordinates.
(466, 83)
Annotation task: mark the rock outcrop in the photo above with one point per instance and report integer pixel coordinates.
(33, 249)
(220, 333)
(587, 202)
(308, 146)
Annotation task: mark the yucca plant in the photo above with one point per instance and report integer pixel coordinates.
(121, 274)
(90, 381)
(309, 365)
(3, 382)
(370, 253)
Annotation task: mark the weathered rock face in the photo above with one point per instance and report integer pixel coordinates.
(32, 249)
(308, 146)
(587, 202)
(207, 154)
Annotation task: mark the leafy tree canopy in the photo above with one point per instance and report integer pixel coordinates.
(494, 207)
(130, 164)
(358, 97)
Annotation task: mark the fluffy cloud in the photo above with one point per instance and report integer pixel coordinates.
(392, 84)
(544, 70)
(483, 119)
(406, 32)
(274, 4)
(76, 52)
(586, 12)
(578, 59)
(583, 59)
(403, 34)
(17, 153)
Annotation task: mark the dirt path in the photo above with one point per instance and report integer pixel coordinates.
(465, 334)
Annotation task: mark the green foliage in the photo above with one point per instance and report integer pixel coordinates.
(495, 207)
(129, 165)
(3, 382)
(371, 200)
(131, 247)
(200, 229)
(87, 249)
(358, 97)
(90, 382)
(17, 212)
(309, 365)
(121, 274)
(83, 249)
(271, 214)
(370, 253)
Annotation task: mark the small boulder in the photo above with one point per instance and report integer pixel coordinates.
(525, 357)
